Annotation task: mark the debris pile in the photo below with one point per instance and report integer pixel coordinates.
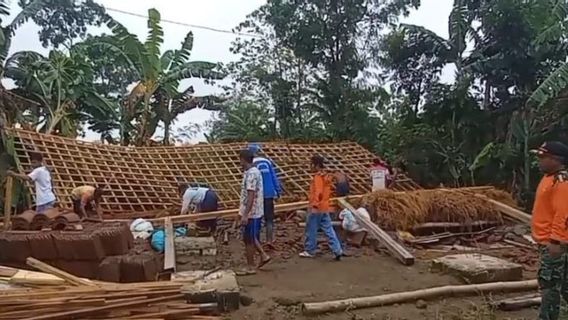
(152, 300)
(405, 210)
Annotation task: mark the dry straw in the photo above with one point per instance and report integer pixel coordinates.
(404, 210)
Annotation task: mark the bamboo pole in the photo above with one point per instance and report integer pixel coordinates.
(8, 201)
(424, 294)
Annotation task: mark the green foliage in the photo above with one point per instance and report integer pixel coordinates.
(62, 21)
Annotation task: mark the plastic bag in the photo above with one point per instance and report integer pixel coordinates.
(348, 220)
(141, 229)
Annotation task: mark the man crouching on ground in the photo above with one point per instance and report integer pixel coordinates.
(251, 211)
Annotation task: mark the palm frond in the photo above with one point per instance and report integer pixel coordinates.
(458, 26)
(195, 69)
(155, 38)
(182, 55)
(439, 43)
(131, 46)
(550, 87)
(27, 12)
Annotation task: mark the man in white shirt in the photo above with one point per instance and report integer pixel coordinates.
(381, 175)
(204, 200)
(41, 177)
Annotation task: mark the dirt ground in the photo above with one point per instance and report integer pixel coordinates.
(286, 282)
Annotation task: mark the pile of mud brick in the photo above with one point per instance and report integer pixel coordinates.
(55, 219)
(103, 251)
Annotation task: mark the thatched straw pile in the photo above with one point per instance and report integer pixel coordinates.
(404, 210)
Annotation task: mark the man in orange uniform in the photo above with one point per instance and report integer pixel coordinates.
(550, 227)
(319, 210)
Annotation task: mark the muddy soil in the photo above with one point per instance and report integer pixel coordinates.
(285, 283)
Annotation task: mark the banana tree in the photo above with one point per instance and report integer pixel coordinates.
(168, 107)
(12, 111)
(156, 72)
(62, 86)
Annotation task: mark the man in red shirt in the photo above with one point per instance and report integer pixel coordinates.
(550, 227)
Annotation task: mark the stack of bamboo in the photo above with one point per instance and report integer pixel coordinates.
(83, 299)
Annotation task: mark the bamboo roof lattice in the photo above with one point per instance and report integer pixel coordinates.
(146, 179)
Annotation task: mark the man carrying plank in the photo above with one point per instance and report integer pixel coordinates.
(549, 227)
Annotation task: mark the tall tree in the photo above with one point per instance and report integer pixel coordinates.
(61, 22)
(326, 34)
(268, 73)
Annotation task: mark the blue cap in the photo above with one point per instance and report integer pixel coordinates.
(254, 147)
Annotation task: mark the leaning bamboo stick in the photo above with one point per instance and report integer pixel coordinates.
(424, 294)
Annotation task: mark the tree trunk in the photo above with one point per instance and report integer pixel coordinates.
(144, 121)
(526, 158)
(167, 130)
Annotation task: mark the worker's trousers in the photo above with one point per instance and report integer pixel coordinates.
(315, 221)
(553, 282)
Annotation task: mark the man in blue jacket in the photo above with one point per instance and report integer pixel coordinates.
(272, 189)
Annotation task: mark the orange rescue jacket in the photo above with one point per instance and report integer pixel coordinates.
(550, 210)
(320, 193)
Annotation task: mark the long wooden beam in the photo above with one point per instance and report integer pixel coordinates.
(395, 248)
(424, 294)
(510, 212)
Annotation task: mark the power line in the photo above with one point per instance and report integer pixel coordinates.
(187, 24)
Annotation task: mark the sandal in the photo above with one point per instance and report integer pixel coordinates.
(244, 273)
(264, 262)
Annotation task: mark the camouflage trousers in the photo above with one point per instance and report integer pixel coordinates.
(553, 282)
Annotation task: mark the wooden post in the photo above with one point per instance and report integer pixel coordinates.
(8, 202)
(169, 251)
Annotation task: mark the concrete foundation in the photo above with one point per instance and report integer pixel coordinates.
(204, 246)
(220, 287)
(195, 253)
(478, 268)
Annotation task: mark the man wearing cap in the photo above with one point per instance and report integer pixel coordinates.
(271, 189)
(550, 227)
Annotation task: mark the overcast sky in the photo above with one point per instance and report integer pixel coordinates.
(208, 45)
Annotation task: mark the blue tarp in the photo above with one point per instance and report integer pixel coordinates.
(159, 238)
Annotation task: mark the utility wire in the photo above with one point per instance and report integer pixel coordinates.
(187, 24)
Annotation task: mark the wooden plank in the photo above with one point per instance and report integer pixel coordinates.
(44, 267)
(95, 310)
(396, 249)
(25, 277)
(511, 212)
(8, 201)
(169, 251)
